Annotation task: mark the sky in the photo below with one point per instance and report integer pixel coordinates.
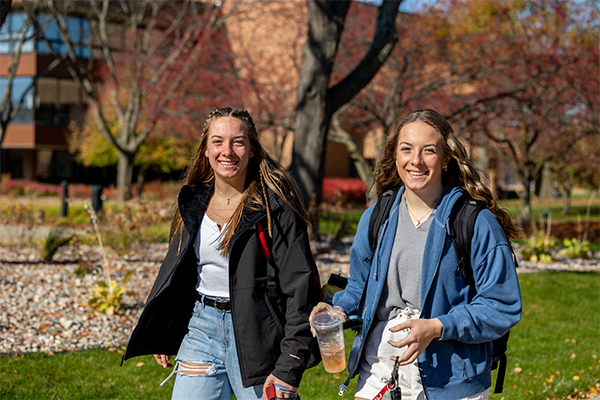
(408, 6)
(412, 6)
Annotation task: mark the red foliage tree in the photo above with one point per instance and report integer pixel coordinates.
(519, 77)
(543, 97)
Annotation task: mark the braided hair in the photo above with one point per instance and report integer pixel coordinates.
(263, 172)
(460, 171)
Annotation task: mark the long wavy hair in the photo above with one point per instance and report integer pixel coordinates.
(460, 171)
(263, 172)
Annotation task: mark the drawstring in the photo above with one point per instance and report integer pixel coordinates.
(175, 370)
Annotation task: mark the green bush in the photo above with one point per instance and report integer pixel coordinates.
(339, 224)
(107, 297)
(538, 247)
(574, 248)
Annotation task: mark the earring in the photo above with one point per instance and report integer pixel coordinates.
(445, 167)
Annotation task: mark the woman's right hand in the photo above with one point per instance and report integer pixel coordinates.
(322, 306)
(163, 360)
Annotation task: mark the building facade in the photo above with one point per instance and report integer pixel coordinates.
(35, 144)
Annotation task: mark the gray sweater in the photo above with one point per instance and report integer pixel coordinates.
(403, 283)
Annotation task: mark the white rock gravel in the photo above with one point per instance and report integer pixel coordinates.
(43, 306)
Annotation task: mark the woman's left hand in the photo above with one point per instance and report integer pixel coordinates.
(422, 332)
(272, 379)
(322, 306)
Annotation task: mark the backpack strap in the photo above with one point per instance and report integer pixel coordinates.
(380, 214)
(263, 241)
(271, 281)
(464, 216)
(500, 363)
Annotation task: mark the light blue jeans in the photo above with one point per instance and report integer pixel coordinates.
(207, 362)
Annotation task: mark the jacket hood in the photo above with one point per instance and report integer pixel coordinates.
(446, 207)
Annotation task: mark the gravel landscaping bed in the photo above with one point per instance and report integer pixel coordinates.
(43, 306)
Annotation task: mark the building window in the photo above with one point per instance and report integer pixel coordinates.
(16, 26)
(78, 29)
(12, 31)
(21, 85)
(56, 100)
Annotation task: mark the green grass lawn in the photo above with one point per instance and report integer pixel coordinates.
(553, 352)
(578, 211)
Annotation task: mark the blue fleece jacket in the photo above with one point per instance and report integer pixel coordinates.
(459, 363)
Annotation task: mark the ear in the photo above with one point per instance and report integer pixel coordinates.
(447, 160)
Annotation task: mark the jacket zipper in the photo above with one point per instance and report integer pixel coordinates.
(429, 290)
(231, 302)
(344, 386)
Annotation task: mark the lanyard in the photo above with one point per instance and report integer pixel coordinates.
(391, 389)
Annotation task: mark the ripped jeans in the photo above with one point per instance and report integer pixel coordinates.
(207, 363)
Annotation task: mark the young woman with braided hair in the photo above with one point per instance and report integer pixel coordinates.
(416, 308)
(209, 304)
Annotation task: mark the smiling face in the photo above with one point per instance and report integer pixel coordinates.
(228, 150)
(420, 160)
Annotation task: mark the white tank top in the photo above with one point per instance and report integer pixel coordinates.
(213, 267)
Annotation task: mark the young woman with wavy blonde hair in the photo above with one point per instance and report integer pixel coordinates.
(417, 309)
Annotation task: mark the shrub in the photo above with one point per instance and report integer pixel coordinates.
(25, 187)
(576, 248)
(56, 239)
(161, 190)
(344, 190)
(136, 223)
(538, 247)
(107, 297)
(77, 190)
(81, 191)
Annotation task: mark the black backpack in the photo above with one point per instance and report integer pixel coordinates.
(463, 226)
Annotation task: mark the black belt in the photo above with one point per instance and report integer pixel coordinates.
(221, 305)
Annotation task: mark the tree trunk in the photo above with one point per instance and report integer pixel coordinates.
(124, 176)
(317, 102)
(141, 178)
(567, 201)
(525, 214)
(313, 114)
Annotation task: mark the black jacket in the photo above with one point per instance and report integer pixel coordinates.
(272, 336)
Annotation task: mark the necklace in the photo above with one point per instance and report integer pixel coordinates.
(419, 220)
(225, 197)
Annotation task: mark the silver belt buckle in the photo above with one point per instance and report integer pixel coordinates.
(220, 304)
